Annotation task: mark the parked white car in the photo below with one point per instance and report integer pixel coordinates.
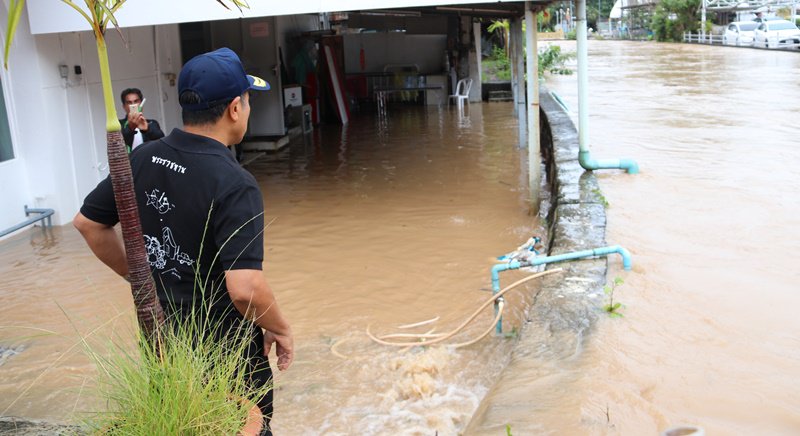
(776, 33)
(739, 33)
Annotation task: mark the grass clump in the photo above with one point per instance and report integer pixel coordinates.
(612, 307)
(197, 384)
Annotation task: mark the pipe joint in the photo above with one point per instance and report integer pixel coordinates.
(586, 161)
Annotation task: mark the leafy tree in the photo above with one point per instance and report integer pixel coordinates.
(674, 17)
(99, 13)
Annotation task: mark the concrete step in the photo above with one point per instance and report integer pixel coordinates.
(501, 96)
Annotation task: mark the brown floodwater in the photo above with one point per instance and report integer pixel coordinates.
(385, 224)
(711, 335)
(379, 224)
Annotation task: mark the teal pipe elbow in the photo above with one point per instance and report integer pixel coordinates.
(500, 267)
(496, 270)
(603, 251)
(593, 164)
(515, 264)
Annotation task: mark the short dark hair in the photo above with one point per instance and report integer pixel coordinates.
(205, 116)
(127, 91)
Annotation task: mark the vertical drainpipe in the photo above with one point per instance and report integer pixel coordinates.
(532, 71)
(518, 61)
(583, 105)
(512, 54)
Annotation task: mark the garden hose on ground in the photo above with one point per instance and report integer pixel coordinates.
(441, 337)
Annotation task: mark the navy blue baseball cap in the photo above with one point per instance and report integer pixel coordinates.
(216, 77)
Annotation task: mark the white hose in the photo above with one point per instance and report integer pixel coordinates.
(446, 336)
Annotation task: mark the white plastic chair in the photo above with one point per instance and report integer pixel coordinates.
(462, 92)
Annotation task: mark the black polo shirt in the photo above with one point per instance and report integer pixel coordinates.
(201, 214)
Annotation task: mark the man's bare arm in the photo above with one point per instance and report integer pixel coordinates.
(254, 299)
(104, 242)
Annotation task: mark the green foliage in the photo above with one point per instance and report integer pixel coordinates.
(674, 17)
(613, 307)
(572, 34)
(552, 60)
(513, 334)
(496, 66)
(196, 385)
(508, 430)
(601, 198)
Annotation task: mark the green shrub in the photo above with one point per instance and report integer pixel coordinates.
(552, 60)
(497, 66)
(195, 385)
(674, 17)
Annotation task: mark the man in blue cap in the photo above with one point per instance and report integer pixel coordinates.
(202, 214)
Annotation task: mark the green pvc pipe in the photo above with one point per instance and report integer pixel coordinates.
(583, 105)
(515, 264)
(594, 164)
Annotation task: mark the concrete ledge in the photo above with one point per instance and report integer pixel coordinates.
(10, 425)
(565, 308)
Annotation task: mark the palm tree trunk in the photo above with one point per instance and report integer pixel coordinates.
(148, 310)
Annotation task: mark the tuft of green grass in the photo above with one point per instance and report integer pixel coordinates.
(195, 385)
(612, 307)
(601, 198)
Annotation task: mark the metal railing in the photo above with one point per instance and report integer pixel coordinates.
(699, 38)
(43, 215)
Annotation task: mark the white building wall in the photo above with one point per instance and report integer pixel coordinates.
(31, 178)
(58, 125)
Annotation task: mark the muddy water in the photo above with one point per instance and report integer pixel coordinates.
(710, 333)
(388, 224)
(378, 224)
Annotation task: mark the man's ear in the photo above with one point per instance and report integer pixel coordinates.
(235, 109)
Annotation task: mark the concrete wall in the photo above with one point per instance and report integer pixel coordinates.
(58, 124)
(566, 304)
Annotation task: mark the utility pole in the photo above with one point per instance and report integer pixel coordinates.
(703, 23)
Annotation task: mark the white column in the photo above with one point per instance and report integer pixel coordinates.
(532, 67)
(477, 87)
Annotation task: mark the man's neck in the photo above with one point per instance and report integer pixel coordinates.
(209, 131)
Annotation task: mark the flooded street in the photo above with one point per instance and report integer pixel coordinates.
(710, 333)
(374, 224)
(383, 225)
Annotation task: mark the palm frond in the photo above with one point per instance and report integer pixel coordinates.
(105, 16)
(14, 13)
(238, 3)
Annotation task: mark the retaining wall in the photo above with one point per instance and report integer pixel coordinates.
(565, 306)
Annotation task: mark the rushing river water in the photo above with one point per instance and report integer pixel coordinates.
(384, 225)
(710, 333)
